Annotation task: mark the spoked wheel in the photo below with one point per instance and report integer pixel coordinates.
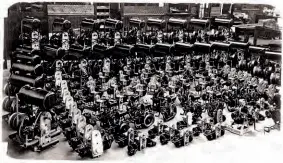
(15, 120)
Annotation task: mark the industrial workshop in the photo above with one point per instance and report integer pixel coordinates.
(95, 81)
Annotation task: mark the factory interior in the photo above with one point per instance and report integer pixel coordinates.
(112, 81)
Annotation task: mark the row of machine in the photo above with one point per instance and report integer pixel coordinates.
(106, 84)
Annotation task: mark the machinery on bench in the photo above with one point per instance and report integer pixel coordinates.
(178, 138)
(26, 67)
(17, 82)
(61, 39)
(34, 121)
(255, 90)
(177, 31)
(220, 55)
(61, 34)
(196, 24)
(89, 32)
(155, 29)
(70, 131)
(112, 32)
(197, 29)
(105, 83)
(223, 29)
(165, 105)
(88, 38)
(135, 32)
(81, 135)
(30, 33)
(88, 142)
(138, 142)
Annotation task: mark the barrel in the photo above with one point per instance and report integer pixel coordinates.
(37, 96)
(223, 22)
(22, 58)
(199, 22)
(220, 46)
(31, 23)
(177, 22)
(143, 49)
(91, 24)
(156, 23)
(121, 51)
(137, 22)
(20, 80)
(183, 47)
(23, 68)
(202, 47)
(60, 24)
(239, 45)
(27, 50)
(51, 53)
(100, 51)
(161, 49)
(113, 23)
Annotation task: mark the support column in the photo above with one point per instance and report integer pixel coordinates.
(95, 11)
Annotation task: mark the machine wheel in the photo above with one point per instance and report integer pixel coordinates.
(7, 103)
(148, 120)
(13, 122)
(124, 127)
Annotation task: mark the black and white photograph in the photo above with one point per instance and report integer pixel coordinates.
(145, 82)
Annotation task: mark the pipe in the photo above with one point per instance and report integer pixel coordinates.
(53, 142)
(55, 133)
(31, 143)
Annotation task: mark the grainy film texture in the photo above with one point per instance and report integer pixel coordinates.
(108, 81)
